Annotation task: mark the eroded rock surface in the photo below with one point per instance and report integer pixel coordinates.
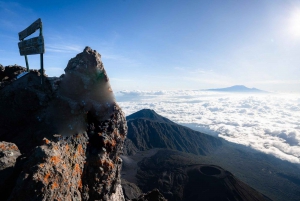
(70, 132)
(9, 154)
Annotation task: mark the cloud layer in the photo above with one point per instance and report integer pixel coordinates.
(269, 123)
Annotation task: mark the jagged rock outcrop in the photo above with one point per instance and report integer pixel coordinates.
(53, 171)
(70, 132)
(9, 153)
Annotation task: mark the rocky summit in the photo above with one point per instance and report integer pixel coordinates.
(61, 140)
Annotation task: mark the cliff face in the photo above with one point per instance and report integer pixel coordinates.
(70, 133)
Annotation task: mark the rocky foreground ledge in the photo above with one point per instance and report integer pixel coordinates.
(61, 140)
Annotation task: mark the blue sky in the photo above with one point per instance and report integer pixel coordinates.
(166, 45)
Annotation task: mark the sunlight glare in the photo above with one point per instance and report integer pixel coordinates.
(294, 24)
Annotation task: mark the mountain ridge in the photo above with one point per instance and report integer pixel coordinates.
(238, 89)
(150, 115)
(147, 129)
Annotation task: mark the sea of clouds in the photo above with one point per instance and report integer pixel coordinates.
(266, 122)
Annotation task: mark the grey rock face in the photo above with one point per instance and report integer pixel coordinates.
(118, 195)
(130, 190)
(9, 153)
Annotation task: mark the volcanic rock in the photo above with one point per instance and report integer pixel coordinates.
(9, 153)
(9, 74)
(69, 130)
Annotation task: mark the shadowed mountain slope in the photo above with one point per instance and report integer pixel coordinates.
(183, 177)
(277, 179)
(147, 129)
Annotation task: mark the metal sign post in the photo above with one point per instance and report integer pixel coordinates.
(33, 45)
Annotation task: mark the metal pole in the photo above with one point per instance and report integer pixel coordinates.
(42, 58)
(42, 68)
(26, 60)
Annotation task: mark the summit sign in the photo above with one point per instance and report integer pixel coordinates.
(33, 45)
(31, 29)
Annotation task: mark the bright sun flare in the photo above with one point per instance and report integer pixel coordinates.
(294, 25)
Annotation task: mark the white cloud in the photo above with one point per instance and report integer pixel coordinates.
(269, 123)
(69, 48)
(53, 71)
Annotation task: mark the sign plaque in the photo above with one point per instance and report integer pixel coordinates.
(33, 45)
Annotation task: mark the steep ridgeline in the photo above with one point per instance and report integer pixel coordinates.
(69, 132)
(147, 129)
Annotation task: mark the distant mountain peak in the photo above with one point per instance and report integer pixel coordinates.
(238, 88)
(147, 129)
(148, 114)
